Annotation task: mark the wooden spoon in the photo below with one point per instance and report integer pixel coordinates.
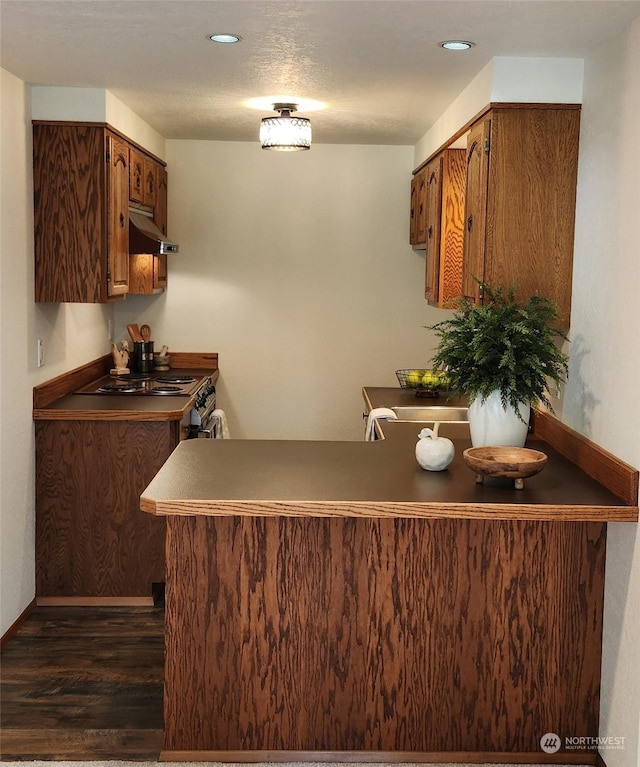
(134, 332)
(145, 332)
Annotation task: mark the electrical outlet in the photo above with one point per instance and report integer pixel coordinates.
(40, 352)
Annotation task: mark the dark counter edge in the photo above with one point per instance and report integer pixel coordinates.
(619, 479)
(47, 395)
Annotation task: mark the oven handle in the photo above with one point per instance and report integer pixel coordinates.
(209, 426)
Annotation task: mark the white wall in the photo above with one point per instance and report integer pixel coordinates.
(94, 105)
(72, 334)
(505, 79)
(296, 268)
(604, 380)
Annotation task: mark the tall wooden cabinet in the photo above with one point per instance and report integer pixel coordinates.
(519, 204)
(81, 218)
(85, 176)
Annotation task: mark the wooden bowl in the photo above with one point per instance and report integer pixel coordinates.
(516, 463)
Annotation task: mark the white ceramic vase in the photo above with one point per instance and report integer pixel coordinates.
(492, 425)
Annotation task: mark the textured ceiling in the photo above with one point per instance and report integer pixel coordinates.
(376, 65)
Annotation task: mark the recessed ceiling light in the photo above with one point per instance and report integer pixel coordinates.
(225, 37)
(457, 45)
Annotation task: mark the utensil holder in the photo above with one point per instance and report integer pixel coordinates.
(143, 356)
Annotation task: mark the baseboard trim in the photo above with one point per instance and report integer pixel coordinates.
(94, 601)
(15, 626)
(391, 757)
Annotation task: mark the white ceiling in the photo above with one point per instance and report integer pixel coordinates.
(376, 64)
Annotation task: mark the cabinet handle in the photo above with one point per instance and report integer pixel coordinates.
(122, 221)
(430, 231)
(469, 223)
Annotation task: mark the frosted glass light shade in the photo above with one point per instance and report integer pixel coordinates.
(285, 133)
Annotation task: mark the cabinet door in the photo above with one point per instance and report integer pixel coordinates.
(433, 180)
(160, 208)
(419, 203)
(413, 222)
(69, 213)
(160, 271)
(452, 227)
(150, 181)
(476, 209)
(118, 216)
(136, 175)
(531, 202)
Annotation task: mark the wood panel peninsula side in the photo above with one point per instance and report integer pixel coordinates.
(333, 601)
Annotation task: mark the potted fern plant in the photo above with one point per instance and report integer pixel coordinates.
(504, 355)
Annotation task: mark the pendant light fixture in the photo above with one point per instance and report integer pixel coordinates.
(285, 133)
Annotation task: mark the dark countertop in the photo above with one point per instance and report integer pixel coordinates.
(125, 407)
(367, 479)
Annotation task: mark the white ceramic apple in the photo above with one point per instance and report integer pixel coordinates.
(434, 453)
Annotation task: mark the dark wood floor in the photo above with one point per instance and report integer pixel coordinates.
(83, 683)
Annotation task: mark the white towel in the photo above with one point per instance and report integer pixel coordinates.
(378, 412)
(222, 432)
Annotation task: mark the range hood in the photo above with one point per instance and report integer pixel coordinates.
(145, 237)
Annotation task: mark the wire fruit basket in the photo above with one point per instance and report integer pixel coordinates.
(425, 382)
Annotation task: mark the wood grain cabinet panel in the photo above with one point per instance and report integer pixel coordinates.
(160, 208)
(521, 189)
(475, 219)
(81, 221)
(136, 175)
(92, 540)
(118, 217)
(150, 181)
(386, 635)
(446, 181)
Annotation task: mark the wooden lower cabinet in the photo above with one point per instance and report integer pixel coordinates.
(92, 540)
(450, 638)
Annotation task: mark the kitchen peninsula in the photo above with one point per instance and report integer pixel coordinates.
(333, 600)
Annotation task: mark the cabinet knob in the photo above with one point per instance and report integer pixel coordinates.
(122, 221)
(430, 232)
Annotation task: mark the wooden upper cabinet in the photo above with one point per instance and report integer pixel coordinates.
(148, 272)
(522, 166)
(445, 180)
(81, 220)
(85, 176)
(519, 177)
